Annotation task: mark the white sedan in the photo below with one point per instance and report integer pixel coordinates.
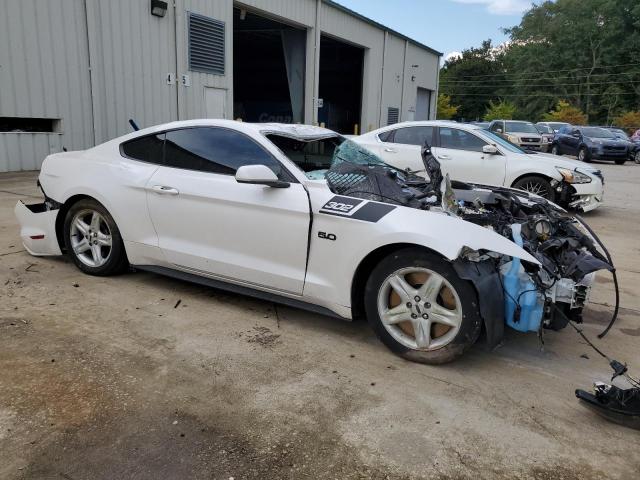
(246, 207)
(471, 154)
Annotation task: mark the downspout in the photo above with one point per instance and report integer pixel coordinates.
(384, 54)
(316, 64)
(93, 116)
(404, 68)
(435, 104)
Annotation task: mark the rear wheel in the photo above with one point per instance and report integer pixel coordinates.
(637, 157)
(93, 240)
(621, 161)
(537, 186)
(420, 308)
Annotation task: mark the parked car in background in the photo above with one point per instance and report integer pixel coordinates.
(555, 126)
(633, 147)
(636, 136)
(521, 133)
(590, 143)
(471, 154)
(547, 136)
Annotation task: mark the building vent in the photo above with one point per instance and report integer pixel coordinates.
(206, 44)
(393, 115)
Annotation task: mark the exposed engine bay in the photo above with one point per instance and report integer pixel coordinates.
(525, 296)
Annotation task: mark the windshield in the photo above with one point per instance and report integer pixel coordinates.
(595, 132)
(498, 140)
(544, 129)
(521, 127)
(315, 157)
(620, 133)
(557, 125)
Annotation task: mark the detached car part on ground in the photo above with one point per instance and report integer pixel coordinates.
(301, 216)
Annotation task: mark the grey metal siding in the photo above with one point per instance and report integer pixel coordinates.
(43, 73)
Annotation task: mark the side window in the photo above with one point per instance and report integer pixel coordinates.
(495, 127)
(145, 149)
(414, 136)
(386, 136)
(215, 150)
(460, 140)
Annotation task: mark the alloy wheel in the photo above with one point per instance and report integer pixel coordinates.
(536, 188)
(419, 308)
(91, 239)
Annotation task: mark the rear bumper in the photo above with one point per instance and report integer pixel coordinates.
(38, 228)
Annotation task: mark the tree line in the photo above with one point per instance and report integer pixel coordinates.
(567, 59)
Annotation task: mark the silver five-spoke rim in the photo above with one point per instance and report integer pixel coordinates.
(419, 308)
(91, 238)
(536, 188)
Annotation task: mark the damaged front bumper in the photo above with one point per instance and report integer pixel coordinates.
(38, 228)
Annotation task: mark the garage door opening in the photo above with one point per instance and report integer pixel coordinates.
(340, 85)
(268, 69)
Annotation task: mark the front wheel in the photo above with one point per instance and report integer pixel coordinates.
(93, 240)
(621, 161)
(420, 308)
(536, 185)
(583, 155)
(636, 158)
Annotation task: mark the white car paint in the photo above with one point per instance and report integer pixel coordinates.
(248, 235)
(502, 169)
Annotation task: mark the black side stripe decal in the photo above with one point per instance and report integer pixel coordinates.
(355, 208)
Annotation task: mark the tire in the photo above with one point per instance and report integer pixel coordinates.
(636, 158)
(448, 321)
(555, 150)
(584, 155)
(621, 161)
(536, 185)
(101, 252)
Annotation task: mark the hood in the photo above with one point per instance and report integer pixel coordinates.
(557, 161)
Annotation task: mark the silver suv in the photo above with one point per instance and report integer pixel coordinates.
(523, 134)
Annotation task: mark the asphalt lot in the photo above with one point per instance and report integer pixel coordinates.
(145, 377)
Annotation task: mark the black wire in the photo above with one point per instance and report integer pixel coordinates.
(613, 273)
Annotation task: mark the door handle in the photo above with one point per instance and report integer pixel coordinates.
(165, 190)
(444, 157)
(390, 150)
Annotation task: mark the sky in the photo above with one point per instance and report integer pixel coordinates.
(448, 26)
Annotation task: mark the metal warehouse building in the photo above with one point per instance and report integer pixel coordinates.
(73, 72)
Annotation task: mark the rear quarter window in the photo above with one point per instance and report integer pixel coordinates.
(145, 149)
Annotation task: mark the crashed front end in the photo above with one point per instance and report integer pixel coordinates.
(519, 294)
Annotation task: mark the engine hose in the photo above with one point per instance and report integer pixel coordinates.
(614, 317)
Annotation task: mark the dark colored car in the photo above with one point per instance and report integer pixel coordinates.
(590, 143)
(632, 142)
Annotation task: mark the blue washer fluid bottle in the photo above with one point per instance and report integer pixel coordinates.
(519, 287)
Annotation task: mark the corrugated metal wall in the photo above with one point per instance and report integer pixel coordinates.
(44, 72)
(96, 63)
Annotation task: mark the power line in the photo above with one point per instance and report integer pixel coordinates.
(572, 77)
(554, 95)
(554, 71)
(628, 82)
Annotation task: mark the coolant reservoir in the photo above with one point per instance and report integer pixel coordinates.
(520, 290)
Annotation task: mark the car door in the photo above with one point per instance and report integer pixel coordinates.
(208, 223)
(572, 141)
(460, 155)
(402, 147)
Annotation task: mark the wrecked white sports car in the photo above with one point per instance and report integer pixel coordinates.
(301, 216)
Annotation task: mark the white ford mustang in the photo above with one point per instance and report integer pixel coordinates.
(301, 216)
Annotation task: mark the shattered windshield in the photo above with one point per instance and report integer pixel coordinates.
(315, 157)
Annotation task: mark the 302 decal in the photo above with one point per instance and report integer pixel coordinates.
(340, 207)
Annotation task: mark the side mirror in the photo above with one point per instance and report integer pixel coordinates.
(499, 130)
(490, 149)
(575, 133)
(259, 175)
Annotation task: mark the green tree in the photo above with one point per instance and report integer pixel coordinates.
(630, 121)
(503, 109)
(446, 111)
(463, 79)
(565, 112)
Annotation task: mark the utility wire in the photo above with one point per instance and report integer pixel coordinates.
(554, 77)
(551, 84)
(554, 71)
(551, 95)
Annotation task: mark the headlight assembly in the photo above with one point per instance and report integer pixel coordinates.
(513, 139)
(573, 176)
